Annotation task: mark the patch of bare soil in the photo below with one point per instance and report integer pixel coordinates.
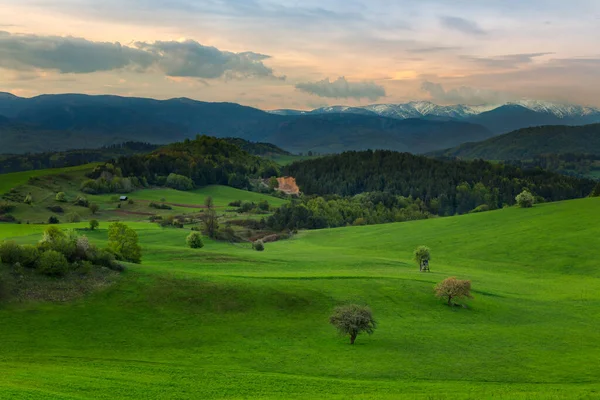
(287, 185)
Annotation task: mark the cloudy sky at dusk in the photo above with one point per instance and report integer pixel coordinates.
(304, 54)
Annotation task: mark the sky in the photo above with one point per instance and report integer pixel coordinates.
(305, 54)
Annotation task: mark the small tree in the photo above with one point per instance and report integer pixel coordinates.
(525, 199)
(422, 256)
(452, 288)
(596, 191)
(352, 320)
(53, 220)
(123, 241)
(273, 183)
(94, 208)
(61, 196)
(210, 219)
(94, 224)
(259, 245)
(194, 240)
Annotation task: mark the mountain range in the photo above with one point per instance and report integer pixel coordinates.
(59, 122)
(498, 118)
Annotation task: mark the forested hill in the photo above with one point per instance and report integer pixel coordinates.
(258, 148)
(205, 160)
(446, 187)
(525, 144)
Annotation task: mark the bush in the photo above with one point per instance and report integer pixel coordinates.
(160, 206)
(6, 208)
(7, 218)
(525, 199)
(258, 245)
(481, 208)
(236, 203)
(56, 209)
(10, 252)
(61, 197)
(194, 240)
(81, 201)
(29, 256)
(94, 208)
(73, 217)
(28, 199)
(247, 207)
(179, 182)
(94, 224)
(263, 205)
(103, 258)
(52, 263)
(53, 220)
(123, 241)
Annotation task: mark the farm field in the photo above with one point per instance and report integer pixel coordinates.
(229, 322)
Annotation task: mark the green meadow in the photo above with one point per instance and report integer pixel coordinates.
(227, 322)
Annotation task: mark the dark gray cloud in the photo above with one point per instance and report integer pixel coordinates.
(342, 89)
(67, 54)
(505, 61)
(463, 95)
(191, 59)
(80, 56)
(462, 25)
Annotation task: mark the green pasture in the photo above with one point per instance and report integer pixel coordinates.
(227, 322)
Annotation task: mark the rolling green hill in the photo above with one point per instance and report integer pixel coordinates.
(229, 322)
(525, 144)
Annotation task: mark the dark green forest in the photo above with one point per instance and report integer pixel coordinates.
(445, 187)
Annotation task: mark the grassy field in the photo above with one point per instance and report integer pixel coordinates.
(12, 180)
(229, 322)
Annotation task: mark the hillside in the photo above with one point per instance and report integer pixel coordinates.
(527, 143)
(76, 121)
(226, 321)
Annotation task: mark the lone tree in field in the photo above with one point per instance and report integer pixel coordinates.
(525, 199)
(211, 224)
(452, 288)
(194, 240)
(422, 257)
(352, 320)
(94, 224)
(94, 208)
(123, 241)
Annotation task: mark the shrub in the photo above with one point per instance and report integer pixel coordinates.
(352, 320)
(236, 203)
(103, 258)
(29, 256)
(596, 191)
(179, 182)
(53, 220)
(56, 209)
(247, 207)
(525, 199)
(28, 199)
(7, 218)
(10, 252)
(94, 224)
(6, 208)
(481, 208)
(258, 245)
(263, 205)
(94, 208)
(130, 201)
(61, 197)
(52, 263)
(81, 201)
(194, 240)
(73, 217)
(160, 206)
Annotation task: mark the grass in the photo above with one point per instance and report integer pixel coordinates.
(12, 180)
(229, 322)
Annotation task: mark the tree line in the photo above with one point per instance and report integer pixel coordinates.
(443, 187)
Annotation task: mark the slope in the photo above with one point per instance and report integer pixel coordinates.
(527, 143)
(228, 322)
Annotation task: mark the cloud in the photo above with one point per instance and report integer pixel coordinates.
(66, 54)
(462, 25)
(342, 89)
(505, 61)
(464, 95)
(433, 49)
(174, 59)
(191, 59)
